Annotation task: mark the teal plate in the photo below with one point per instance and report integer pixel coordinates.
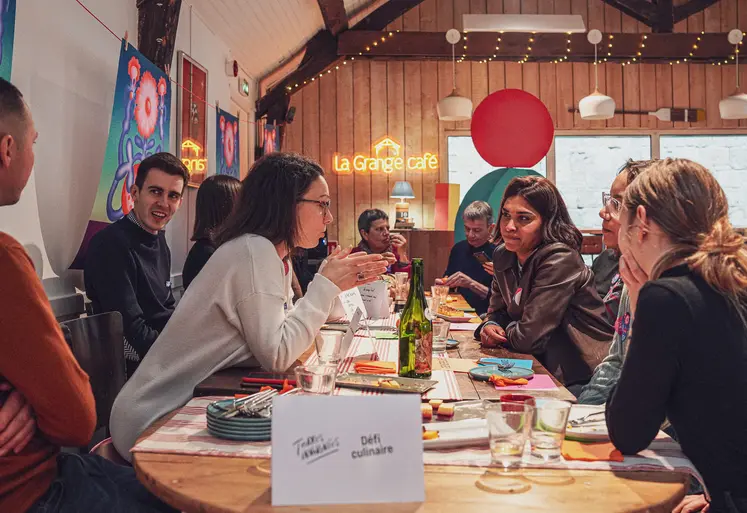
(451, 343)
(239, 437)
(484, 372)
(243, 429)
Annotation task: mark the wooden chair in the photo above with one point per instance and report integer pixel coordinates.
(97, 342)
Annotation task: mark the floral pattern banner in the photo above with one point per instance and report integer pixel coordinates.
(139, 128)
(7, 32)
(227, 156)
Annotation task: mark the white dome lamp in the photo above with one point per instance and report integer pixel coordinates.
(734, 106)
(454, 107)
(596, 105)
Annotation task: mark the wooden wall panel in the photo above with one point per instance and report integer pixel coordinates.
(729, 20)
(328, 145)
(356, 106)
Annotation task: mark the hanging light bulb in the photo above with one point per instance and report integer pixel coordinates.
(596, 105)
(734, 106)
(454, 107)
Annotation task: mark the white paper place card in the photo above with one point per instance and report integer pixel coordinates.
(375, 297)
(347, 339)
(347, 450)
(352, 299)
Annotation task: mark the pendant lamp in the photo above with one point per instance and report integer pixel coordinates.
(734, 106)
(454, 107)
(596, 105)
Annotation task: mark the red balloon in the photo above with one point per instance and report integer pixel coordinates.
(512, 128)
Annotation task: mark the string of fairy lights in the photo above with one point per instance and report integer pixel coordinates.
(637, 59)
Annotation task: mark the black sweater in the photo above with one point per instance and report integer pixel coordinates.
(198, 256)
(462, 259)
(128, 270)
(687, 361)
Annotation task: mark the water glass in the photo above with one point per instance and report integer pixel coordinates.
(508, 429)
(440, 334)
(402, 287)
(316, 379)
(548, 428)
(440, 291)
(328, 345)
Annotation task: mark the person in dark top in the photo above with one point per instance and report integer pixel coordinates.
(465, 270)
(373, 226)
(128, 264)
(543, 301)
(686, 271)
(215, 200)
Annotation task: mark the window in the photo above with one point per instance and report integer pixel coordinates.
(466, 166)
(585, 166)
(725, 156)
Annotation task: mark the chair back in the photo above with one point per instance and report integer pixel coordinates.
(97, 342)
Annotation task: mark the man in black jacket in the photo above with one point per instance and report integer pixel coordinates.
(128, 264)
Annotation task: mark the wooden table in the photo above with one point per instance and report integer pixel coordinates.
(210, 484)
(219, 484)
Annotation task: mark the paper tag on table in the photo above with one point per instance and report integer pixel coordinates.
(352, 300)
(376, 299)
(347, 339)
(347, 450)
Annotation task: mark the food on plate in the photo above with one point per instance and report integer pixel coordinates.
(427, 411)
(375, 367)
(451, 299)
(429, 435)
(386, 383)
(446, 410)
(448, 311)
(502, 381)
(436, 402)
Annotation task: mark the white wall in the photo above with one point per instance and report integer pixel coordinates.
(65, 63)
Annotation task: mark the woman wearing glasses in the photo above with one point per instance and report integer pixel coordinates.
(543, 299)
(239, 307)
(615, 300)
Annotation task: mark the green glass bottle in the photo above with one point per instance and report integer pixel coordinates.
(415, 330)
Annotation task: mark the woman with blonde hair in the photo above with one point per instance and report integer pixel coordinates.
(686, 270)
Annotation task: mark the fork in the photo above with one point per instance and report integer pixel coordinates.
(585, 419)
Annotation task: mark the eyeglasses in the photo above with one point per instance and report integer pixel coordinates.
(611, 204)
(325, 205)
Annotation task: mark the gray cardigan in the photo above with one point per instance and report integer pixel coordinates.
(608, 372)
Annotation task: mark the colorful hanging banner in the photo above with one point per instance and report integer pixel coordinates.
(139, 128)
(227, 154)
(7, 32)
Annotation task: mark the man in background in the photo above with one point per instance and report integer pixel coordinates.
(465, 270)
(128, 264)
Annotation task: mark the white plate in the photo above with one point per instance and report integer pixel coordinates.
(595, 431)
(457, 433)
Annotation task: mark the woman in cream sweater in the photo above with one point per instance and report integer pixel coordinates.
(239, 307)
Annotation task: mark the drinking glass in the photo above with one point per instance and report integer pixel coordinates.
(316, 379)
(440, 291)
(402, 288)
(328, 344)
(508, 429)
(440, 333)
(548, 428)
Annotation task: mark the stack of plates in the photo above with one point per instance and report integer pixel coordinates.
(238, 427)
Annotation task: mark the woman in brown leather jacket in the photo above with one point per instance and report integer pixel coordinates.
(543, 299)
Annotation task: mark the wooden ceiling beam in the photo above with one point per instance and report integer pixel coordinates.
(664, 20)
(641, 10)
(156, 30)
(683, 11)
(334, 15)
(321, 52)
(546, 47)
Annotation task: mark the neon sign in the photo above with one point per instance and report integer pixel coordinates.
(194, 164)
(387, 159)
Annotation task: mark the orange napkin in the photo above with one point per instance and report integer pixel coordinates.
(604, 451)
(501, 381)
(375, 367)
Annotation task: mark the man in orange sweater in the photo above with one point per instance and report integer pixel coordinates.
(37, 364)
